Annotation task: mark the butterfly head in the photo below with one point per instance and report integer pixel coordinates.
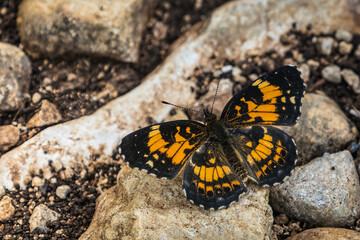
(209, 117)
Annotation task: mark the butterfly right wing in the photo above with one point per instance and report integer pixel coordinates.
(209, 181)
(163, 149)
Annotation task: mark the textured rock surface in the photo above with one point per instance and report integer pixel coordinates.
(232, 30)
(105, 28)
(322, 127)
(332, 74)
(144, 207)
(328, 234)
(9, 136)
(47, 114)
(62, 191)
(7, 210)
(324, 192)
(15, 73)
(41, 216)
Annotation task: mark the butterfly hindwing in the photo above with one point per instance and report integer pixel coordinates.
(268, 153)
(209, 180)
(162, 149)
(273, 99)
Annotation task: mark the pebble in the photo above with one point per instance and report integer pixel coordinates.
(9, 136)
(7, 210)
(327, 234)
(253, 77)
(357, 52)
(2, 192)
(227, 68)
(326, 45)
(305, 72)
(41, 216)
(345, 48)
(236, 71)
(313, 194)
(352, 79)
(48, 114)
(343, 35)
(62, 191)
(36, 97)
(332, 74)
(37, 181)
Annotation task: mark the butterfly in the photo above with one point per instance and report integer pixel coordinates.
(220, 155)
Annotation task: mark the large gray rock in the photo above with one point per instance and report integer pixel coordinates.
(15, 70)
(105, 28)
(144, 207)
(322, 127)
(324, 192)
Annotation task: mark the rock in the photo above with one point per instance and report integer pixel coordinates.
(178, 115)
(41, 216)
(322, 127)
(7, 210)
(103, 28)
(327, 233)
(231, 32)
(9, 136)
(343, 35)
(2, 192)
(48, 114)
(352, 79)
(345, 48)
(357, 52)
(325, 45)
(62, 191)
(15, 70)
(332, 74)
(305, 72)
(37, 181)
(158, 209)
(36, 97)
(324, 192)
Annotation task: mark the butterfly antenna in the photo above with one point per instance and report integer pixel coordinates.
(217, 88)
(184, 108)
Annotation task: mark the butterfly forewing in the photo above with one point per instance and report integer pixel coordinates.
(273, 99)
(163, 149)
(209, 180)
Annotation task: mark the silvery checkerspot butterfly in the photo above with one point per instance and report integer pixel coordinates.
(220, 156)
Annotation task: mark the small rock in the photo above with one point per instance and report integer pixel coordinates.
(305, 72)
(327, 233)
(160, 30)
(281, 219)
(227, 68)
(253, 77)
(236, 71)
(325, 45)
(62, 191)
(352, 79)
(357, 52)
(41, 216)
(9, 136)
(343, 35)
(2, 192)
(312, 193)
(345, 48)
(7, 210)
(240, 79)
(332, 74)
(15, 70)
(37, 182)
(48, 114)
(36, 97)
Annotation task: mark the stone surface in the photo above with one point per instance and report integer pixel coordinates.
(324, 192)
(15, 70)
(328, 234)
(7, 210)
(343, 35)
(231, 32)
(322, 127)
(41, 216)
(345, 48)
(37, 181)
(144, 207)
(104, 28)
(9, 136)
(332, 74)
(352, 79)
(62, 191)
(305, 71)
(325, 45)
(48, 114)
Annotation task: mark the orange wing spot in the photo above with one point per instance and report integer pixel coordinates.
(255, 156)
(264, 84)
(266, 108)
(180, 154)
(269, 88)
(172, 149)
(153, 133)
(251, 105)
(157, 145)
(224, 185)
(197, 170)
(154, 127)
(212, 160)
(178, 137)
(150, 163)
(257, 82)
(266, 117)
(187, 129)
(278, 151)
(237, 108)
(220, 172)
(202, 173)
(235, 183)
(209, 174)
(201, 186)
(276, 158)
(266, 143)
(263, 168)
(209, 189)
(249, 144)
(268, 137)
(259, 174)
(156, 156)
(270, 95)
(154, 139)
(279, 143)
(262, 155)
(274, 101)
(292, 99)
(162, 149)
(283, 99)
(226, 170)
(262, 148)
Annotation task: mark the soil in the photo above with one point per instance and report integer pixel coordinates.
(98, 81)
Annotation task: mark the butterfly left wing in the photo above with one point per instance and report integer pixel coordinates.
(268, 154)
(209, 180)
(273, 99)
(163, 149)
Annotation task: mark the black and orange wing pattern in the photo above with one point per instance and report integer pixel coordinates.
(163, 149)
(273, 99)
(209, 180)
(268, 154)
